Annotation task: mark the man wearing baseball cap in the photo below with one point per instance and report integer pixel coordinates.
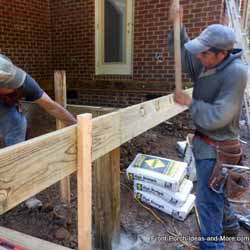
(219, 78)
(15, 84)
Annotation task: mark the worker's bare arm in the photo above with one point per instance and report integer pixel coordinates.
(56, 110)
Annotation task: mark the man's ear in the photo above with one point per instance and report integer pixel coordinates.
(223, 54)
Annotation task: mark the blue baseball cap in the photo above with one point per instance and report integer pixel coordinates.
(214, 36)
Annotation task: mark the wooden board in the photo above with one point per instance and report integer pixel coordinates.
(27, 241)
(60, 97)
(29, 167)
(107, 199)
(94, 110)
(177, 47)
(112, 130)
(84, 182)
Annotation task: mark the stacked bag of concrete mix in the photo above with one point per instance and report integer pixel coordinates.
(161, 183)
(186, 150)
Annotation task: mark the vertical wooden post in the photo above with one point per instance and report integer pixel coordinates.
(177, 46)
(60, 97)
(107, 199)
(84, 181)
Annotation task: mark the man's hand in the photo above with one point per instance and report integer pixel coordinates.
(174, 12)
(182, 98)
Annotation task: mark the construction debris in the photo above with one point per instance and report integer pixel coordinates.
(33, 203)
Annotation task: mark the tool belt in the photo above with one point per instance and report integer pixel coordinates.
(13, 99)
(228, 152)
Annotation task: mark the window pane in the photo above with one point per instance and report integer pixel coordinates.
(114, 30)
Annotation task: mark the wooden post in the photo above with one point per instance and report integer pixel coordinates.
(107, 199)
(84, 181)
(60, 97)
(177, 46)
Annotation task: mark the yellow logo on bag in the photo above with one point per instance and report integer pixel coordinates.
(155, 163)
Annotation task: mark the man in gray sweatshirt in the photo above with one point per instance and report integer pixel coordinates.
(219, 77)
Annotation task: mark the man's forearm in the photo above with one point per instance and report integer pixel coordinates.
(62, 114)
(56, 110)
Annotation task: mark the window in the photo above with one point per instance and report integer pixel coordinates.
(113, 39)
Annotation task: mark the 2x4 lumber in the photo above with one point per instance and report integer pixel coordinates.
(107, 199)
(27, 241)
(177, 46)
(60, 96)
(29, 167)
(84, 181)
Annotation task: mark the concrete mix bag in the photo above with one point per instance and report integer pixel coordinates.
(174, 198)
(179, 213)
(158, 171)
(186, 149)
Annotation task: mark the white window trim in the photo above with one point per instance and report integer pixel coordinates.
(102, 68)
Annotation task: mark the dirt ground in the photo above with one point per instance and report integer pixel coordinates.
(141, 230)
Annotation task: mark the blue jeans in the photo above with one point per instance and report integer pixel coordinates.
(211, 207)
(13, 125)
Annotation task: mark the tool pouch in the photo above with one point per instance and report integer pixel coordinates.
(235, 184)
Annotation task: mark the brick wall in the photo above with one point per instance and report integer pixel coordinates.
(42, 36)
(73, 44)
(25, 36)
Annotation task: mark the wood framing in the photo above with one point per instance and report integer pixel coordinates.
(84, 181)
(60, 97)
(27, 241)
(31, 166)
(177, 46)
(94, 110)
(107, 199)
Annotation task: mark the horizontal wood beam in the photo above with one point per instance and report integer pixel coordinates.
(27, 241)
(113, 129)
(80, 109)
(29, 167)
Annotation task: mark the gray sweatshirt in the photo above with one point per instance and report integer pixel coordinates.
(217, 96)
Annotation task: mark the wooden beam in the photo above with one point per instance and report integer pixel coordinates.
(94, 110)
(112, 130)
(177, 46)
(107, 199)
(60, 97)
(29, 167)
(84, 182)
(27, 241)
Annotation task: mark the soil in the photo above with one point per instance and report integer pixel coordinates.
(141, 230)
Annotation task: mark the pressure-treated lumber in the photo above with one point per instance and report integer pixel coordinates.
(177, 46)
(107, 199)
(60, 97)
(84, 181)
(94, 110)
(27, 241)
(30, 167)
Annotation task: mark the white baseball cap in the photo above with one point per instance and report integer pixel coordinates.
(11, 77)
